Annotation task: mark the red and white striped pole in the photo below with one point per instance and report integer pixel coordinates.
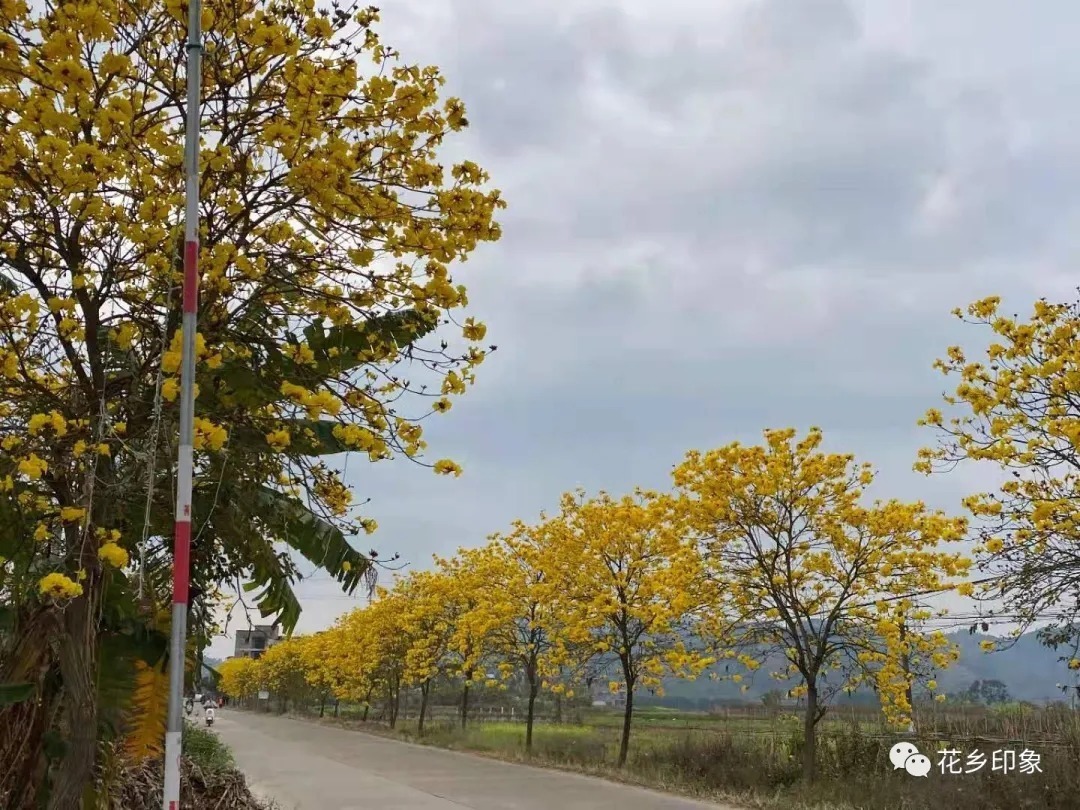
(184, 468)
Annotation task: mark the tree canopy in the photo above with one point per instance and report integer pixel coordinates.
(1015, 408)
(328, 228)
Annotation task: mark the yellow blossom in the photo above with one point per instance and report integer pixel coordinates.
(170, 362)
(59, 587)
(114, 555)
(278, 439)
(69, 514)
(447, 467)
(209, 436)
(33, 467)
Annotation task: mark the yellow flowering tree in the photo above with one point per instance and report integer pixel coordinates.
(238, 678)
(283, 670)
(518, 610)
(897, 655)
(469, 580)
(1015, 407)
(802, 567)
(429, 614)
(316, 656)
(631, 585)
(388, 638)
(343, 659)
(329, 228)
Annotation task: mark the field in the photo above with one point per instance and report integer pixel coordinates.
(751, 756)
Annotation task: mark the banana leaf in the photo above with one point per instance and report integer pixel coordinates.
(317, 540)
(257, 382)
(321, 543)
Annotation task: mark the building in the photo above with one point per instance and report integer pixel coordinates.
(602, 696)
(254, 642)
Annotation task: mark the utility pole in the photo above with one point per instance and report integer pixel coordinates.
(185, 462)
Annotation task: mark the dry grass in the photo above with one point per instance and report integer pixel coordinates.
(208, 779)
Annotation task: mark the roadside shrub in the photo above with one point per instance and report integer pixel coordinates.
(206, 750)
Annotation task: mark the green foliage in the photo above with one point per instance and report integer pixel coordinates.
(320, 542)
(206, 750)
(256, 382)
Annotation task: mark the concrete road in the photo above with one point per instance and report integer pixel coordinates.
(306, 766)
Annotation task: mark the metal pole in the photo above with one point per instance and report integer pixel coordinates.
(182, 543)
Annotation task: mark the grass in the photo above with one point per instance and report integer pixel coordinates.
(755, 761)
(206, 750)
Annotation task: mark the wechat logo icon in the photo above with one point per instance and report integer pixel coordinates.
(905, 755)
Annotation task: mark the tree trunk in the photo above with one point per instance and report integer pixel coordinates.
(558, 707)
(810, 734)
(337, 705)
(906, 664)
(322, 705)
(534, 687)
(465, 700)
(425, 690)
(23, 725)
(78, 670)
(23, 776)
(628, 714)
(395, 706)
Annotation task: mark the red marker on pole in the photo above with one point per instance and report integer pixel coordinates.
(184, 470)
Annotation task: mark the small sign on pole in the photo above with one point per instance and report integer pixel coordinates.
(264, 695)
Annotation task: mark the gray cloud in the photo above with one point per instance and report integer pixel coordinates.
(723, 220)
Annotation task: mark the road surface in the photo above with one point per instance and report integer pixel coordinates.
(307, 766)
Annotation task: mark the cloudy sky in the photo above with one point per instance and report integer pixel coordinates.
(724, 217)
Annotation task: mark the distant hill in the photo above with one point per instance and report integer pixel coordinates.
(1029, 670)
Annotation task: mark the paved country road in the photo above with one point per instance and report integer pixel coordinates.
(307, 766)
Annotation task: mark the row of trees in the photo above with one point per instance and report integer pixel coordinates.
(759, 553)
(758, 549)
